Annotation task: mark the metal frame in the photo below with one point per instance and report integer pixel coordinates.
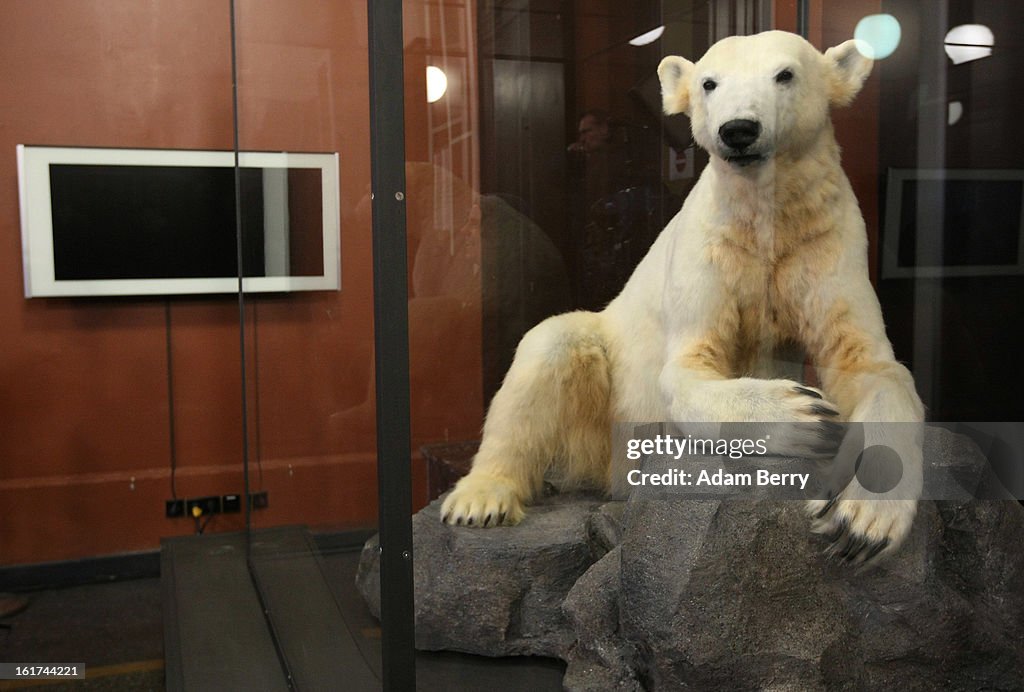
(803, 14)
(391, 339)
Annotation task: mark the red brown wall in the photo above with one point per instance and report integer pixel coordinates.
(830, 23)
(85, 408)
(856, 125)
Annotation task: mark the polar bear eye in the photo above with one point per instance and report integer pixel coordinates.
(709, 84)
(784, 77)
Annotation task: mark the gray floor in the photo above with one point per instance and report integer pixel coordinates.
(117, 630)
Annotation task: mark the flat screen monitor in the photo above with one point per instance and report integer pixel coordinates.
(953, 223)
(110, 222)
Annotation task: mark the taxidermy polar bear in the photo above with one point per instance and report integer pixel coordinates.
(769, 249)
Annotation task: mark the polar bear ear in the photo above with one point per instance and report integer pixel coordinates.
(846, 69)
(674, 73)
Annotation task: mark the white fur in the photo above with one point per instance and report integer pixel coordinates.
(759, 255)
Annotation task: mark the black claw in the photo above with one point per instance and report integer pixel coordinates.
(487, 520)
(831, 434)
(832, 552)
(875, 550)
(838, 550)
(458, 521)
(501, 518)
(808, 392)
(469, 521)
(446, 517)
(838, 533)
(822, 410)
(831, 429)
(853, 548)
(828, 507)
(832, 437)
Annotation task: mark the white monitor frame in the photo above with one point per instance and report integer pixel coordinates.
(37, 221)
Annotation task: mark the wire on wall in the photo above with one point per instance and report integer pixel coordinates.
(171, 436)
(256, 397)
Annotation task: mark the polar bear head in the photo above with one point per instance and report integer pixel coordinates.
(754, 97)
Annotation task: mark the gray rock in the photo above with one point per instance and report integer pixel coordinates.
(604, 527)
(730, 594)
(737, 594)
(497, 591)
(600, 660)
(751, 603)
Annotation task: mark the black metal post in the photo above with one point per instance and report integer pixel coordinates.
(803, 17)
(239, 266)
(391, 338)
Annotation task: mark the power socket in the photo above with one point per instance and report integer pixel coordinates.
(207, 506)
(231, 504)
(214, 504)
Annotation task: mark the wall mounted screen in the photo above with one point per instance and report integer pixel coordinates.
(106, 222)
(953, 222)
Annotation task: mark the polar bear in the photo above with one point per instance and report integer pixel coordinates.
(768, 249)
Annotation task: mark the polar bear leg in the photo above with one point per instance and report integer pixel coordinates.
(552, 409)
(863, 523)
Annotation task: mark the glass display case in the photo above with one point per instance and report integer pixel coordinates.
(268, 264)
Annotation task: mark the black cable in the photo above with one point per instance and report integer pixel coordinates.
(172, 443)
(256, 398)
(200, 528)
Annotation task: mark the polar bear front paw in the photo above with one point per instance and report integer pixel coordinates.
(483, 501)
(861, 531)
(809, 424)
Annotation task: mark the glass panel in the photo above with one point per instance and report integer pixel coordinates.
(122, 417)
(540, 179)
(310, 353)
(303, 90)
(938, 179)
(125, 402)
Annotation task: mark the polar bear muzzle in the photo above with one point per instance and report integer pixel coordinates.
(739, 136)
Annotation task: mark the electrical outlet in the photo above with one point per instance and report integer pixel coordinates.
(206, 505)
(214, 504)
(231, 504)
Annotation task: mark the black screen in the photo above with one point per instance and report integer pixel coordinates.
(981, 222)
(171, 222)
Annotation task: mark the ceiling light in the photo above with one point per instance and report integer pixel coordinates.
(955, 112)
(969, 42)
(647, 37)
(437, 83)
(877, 35)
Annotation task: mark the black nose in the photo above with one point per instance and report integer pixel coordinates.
(739, 134)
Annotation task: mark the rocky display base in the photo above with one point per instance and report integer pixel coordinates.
(680, 594)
